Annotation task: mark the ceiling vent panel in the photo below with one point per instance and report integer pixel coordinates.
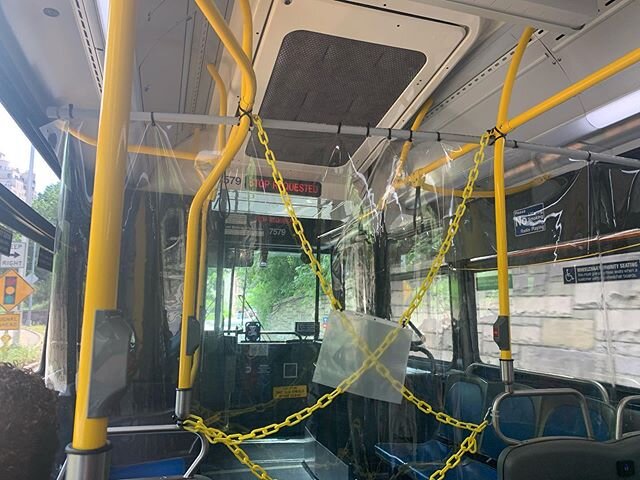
(329, 79)
(329, 61)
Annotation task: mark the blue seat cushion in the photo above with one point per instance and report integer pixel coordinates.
(397, 454)
(468, 469)
(158, 468)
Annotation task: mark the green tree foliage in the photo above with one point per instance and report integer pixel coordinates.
(46, 203)
(284, 277)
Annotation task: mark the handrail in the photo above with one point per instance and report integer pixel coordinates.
(536, 182)
(598, 386)
(277, 332)
(241, 55)
(560, 97)
(620, 411)
(139, 149)
(542, 392)
(503, 339)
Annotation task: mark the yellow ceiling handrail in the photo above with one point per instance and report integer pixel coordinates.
(508, 126)
(138, 149)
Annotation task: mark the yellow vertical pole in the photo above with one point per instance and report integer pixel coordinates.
(241, 55)
(202, 263)
(90, 434)
(502, 327)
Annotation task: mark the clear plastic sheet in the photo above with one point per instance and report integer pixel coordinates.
(377, 238)
(158, 188)
(338, 359)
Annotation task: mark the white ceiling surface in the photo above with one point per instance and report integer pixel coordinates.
(174, 45)
(52, 47)
(563, 14)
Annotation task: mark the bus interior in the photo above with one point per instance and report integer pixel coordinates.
(335, 239)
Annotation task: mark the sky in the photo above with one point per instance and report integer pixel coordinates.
(16, 147)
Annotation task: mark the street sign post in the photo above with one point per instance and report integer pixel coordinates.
(17, 257)
(13, 290)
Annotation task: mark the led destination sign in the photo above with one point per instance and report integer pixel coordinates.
(303, 188)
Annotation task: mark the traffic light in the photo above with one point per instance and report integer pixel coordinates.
(10, 287)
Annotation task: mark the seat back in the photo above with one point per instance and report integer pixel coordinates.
(564, 418)
(466, 400)
(518, 421)
(571, 459)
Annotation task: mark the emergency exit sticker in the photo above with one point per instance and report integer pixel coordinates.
(529, 220)
(290, 391)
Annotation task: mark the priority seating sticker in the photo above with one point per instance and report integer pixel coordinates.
(290, 391)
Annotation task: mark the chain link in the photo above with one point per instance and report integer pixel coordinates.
(372, 358)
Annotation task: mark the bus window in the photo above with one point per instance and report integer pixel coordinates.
(411, 262)
(564, 327)
(25, 270)
(277, 290)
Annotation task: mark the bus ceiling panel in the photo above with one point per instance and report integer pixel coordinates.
(331, 62)
(174, 44)
(565, 15)
(51, 49)
(551, 63)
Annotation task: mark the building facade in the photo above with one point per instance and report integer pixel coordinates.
(15, 180)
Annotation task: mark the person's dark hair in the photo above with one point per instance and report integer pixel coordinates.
(28, 430)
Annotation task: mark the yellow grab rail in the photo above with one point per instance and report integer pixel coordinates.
(241, 55)
(500, 194)
(139, 149)
(508, 126)
(202, 264)
(571, 91)
(455, 192)
(103, 261)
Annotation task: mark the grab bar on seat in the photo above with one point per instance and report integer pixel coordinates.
(470, 370)
(154, 429)
(542, 392)
(619, 413)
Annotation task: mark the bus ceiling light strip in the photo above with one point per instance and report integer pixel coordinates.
(61, 113)
(615, 111)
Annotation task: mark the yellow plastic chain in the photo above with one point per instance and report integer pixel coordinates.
(215, 436)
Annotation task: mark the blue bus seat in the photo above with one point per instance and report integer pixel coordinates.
(465, 400)
(518, 421)
(468, 469)
(398, 454)
(157, 468)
